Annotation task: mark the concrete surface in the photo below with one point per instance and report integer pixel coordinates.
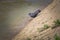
(47, 16)
(14, 16)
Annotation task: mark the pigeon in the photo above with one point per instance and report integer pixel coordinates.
(33, 15)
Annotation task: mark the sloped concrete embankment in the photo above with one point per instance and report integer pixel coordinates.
(47, 16)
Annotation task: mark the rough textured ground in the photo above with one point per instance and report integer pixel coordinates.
(47, 16)
(14, 15)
